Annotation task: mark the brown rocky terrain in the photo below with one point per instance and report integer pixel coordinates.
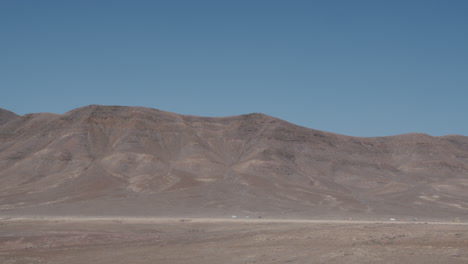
(183, 241)
(6, 116)
(114, 161)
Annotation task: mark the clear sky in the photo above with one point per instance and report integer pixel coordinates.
(360, 68)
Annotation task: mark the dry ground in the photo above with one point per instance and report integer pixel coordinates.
(131, 240)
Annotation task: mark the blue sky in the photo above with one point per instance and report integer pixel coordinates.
(360, 68)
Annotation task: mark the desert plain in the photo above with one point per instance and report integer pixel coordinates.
(208, 240)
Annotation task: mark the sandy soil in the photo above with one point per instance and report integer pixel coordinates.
(171, 240)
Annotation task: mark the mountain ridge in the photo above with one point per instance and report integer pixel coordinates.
(136, 161)
(217, 117)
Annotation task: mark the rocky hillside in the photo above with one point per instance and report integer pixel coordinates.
(6, 116)
(113, 160)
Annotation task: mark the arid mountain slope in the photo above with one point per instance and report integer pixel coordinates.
(112, 160)
(6, 116)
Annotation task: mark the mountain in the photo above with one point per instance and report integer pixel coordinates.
(6, 116)
(114, 160)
